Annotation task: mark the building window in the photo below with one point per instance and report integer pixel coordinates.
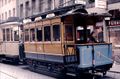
(8, 34)
(5, 1)
(39, 34)
(9, 1)
(33, 5)
(2, 2)
(40, 5)
(56, 33)
(47, 33)
(2, 16)
(49, 4)
(3, 34)
(21, 10)
(27, 8)
(32, 34)
(69, 33)
(14, 12)
(91, 1)
(61, 3)
(9, 13)
(5, 15)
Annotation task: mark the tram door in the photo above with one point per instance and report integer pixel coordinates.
(69, 45)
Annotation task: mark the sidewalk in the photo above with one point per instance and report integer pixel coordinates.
(115, 68)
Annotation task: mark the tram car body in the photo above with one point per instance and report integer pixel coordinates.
(60, 43)
(9, 41)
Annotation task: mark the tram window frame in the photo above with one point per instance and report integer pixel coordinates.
(32, 35)
(11, 31)
(16, 35)
(8, 34)
(39, 34)
(47, 33)
(72, 33)
(56, 32)
(4, 34)
(26, 35)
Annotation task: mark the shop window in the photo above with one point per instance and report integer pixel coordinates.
(26, 35)
(4, 35)
(56, 33)
(69, 33)
(47, 33)
(8, 34)
(16, 35)
(39, 34)
(32, 34)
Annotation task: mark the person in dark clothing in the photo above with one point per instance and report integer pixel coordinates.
(92, 38)
(100, 35)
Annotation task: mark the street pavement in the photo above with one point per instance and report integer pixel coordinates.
(19, 72)
(115, 68)
(8, 71)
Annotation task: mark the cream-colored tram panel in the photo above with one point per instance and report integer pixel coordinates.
(10, 47)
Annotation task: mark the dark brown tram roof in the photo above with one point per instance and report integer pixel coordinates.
(85, 18)
(59, 11)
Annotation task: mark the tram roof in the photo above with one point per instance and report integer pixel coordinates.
(75, 10)
(59, 11)
(87, 18)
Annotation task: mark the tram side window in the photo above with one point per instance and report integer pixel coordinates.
(16, 35)
(56, 33)
(26, 35)
(8, 34)
(11, 35)
(69, 33)
(32, 34)
(4, 35)
(39, 34)
(47, 33)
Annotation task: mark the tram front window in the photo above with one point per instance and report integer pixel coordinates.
(82, 34)
(69, 33)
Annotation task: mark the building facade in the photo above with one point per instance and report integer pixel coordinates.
(31, 7)
(8, 8)
(25, 8)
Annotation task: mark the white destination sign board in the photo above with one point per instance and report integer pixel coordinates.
(101, 3)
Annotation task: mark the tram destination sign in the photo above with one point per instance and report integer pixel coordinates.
(101, 4)
(114, 23)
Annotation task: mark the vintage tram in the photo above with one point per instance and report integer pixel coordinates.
(59, 42)
(9, 41)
